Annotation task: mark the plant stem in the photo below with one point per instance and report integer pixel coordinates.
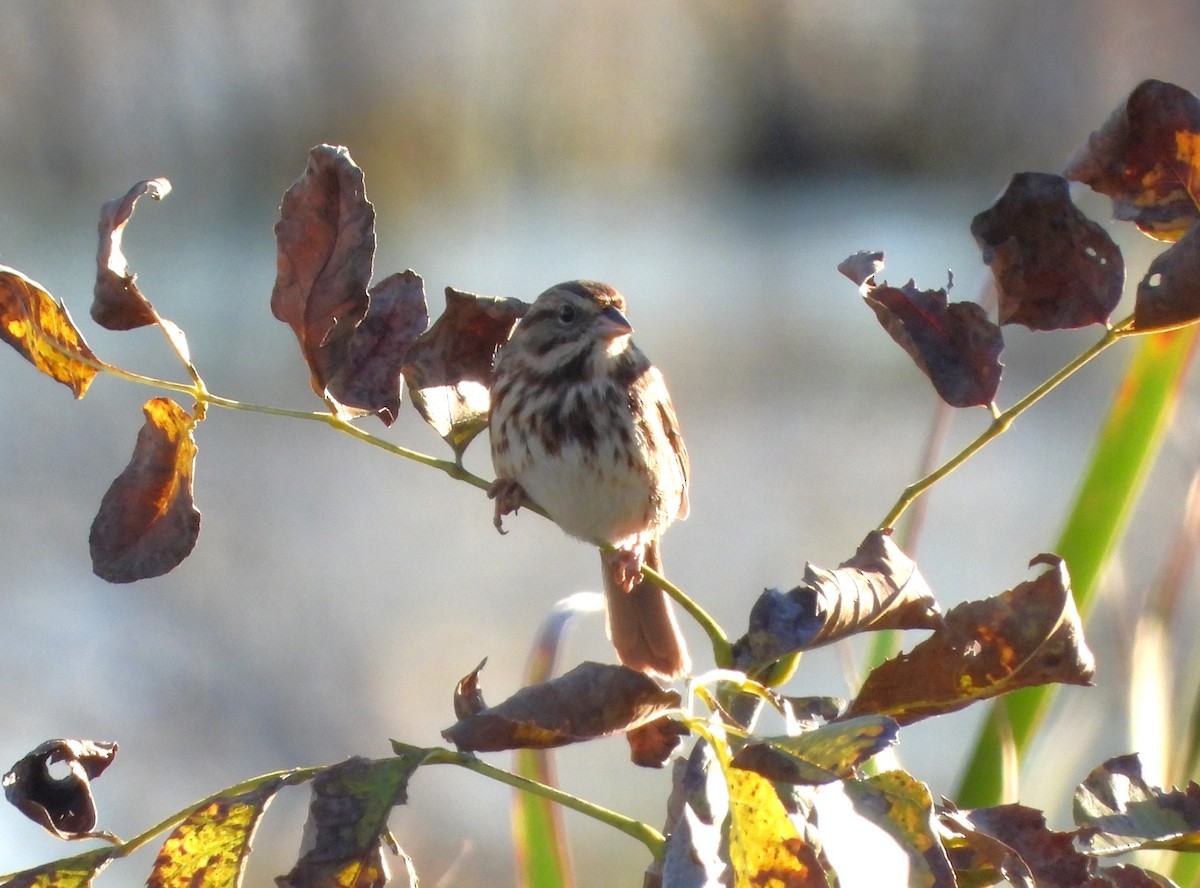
(647, 835)
(125, 848)
(722, 649)
(1001, 422)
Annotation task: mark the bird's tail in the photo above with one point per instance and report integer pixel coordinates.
(641, 622)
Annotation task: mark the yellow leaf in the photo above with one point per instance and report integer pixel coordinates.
(39, 327)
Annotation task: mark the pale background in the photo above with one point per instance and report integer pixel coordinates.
(714, 160)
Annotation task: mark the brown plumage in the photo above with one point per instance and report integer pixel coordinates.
(582, 424)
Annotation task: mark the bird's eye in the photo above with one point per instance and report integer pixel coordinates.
(566, 314)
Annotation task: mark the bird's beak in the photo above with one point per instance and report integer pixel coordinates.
(611, 324)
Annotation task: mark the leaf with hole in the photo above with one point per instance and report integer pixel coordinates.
(63, 805)
(1055, 268)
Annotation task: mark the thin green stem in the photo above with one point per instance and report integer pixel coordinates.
(125, 848)
(722, 649)
(644, 833)
(1001, 422)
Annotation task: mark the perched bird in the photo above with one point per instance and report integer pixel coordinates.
(582, 424)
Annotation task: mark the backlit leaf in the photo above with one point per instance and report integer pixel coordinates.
(1146, 157)
(62, 805)
(878, 588)
(696, 813)
(449, 368)
(902, 808)
(325, 249)
(364, 372)
(209, 849)
(765, 847)
(468, 696)
(147, 522)
(40, 329)
(954, 344)
(354, 340)
(592, 700)
(1054, 267)
(70, 872)
(1121, 811)
(347, 817)
(651, 745)
(118, 303)
(832, 751)
(1029, 635)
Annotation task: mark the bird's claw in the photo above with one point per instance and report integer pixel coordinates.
(509, 497)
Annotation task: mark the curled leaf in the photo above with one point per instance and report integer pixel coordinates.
(62, 805)
(592, 700)
(210, 847)
(862, 266)
(468, 696)
(954, 344)
(147, 522)
(878, 588)
(1146, 158)
(1029, 635)
(41, 330)
(1121, 811)
(1054, 267)
(118, 303)
(651, 745)
(449, 367)
(347, 818)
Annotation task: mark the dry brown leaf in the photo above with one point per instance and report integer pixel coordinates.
(449, 368)
(118, 303)
(954, 344)
(592, 700)
(878, 588)
(1146, 157)
(1055, 268)
(147, 522)
(62, 805)
(1027, 636)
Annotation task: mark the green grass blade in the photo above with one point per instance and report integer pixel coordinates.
(1125, 450)
(539, 838)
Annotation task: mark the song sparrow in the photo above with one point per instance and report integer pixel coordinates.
(582, 424)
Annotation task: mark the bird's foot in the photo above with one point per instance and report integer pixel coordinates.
(509, 497)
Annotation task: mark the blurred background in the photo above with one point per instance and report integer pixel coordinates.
(714, 160)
